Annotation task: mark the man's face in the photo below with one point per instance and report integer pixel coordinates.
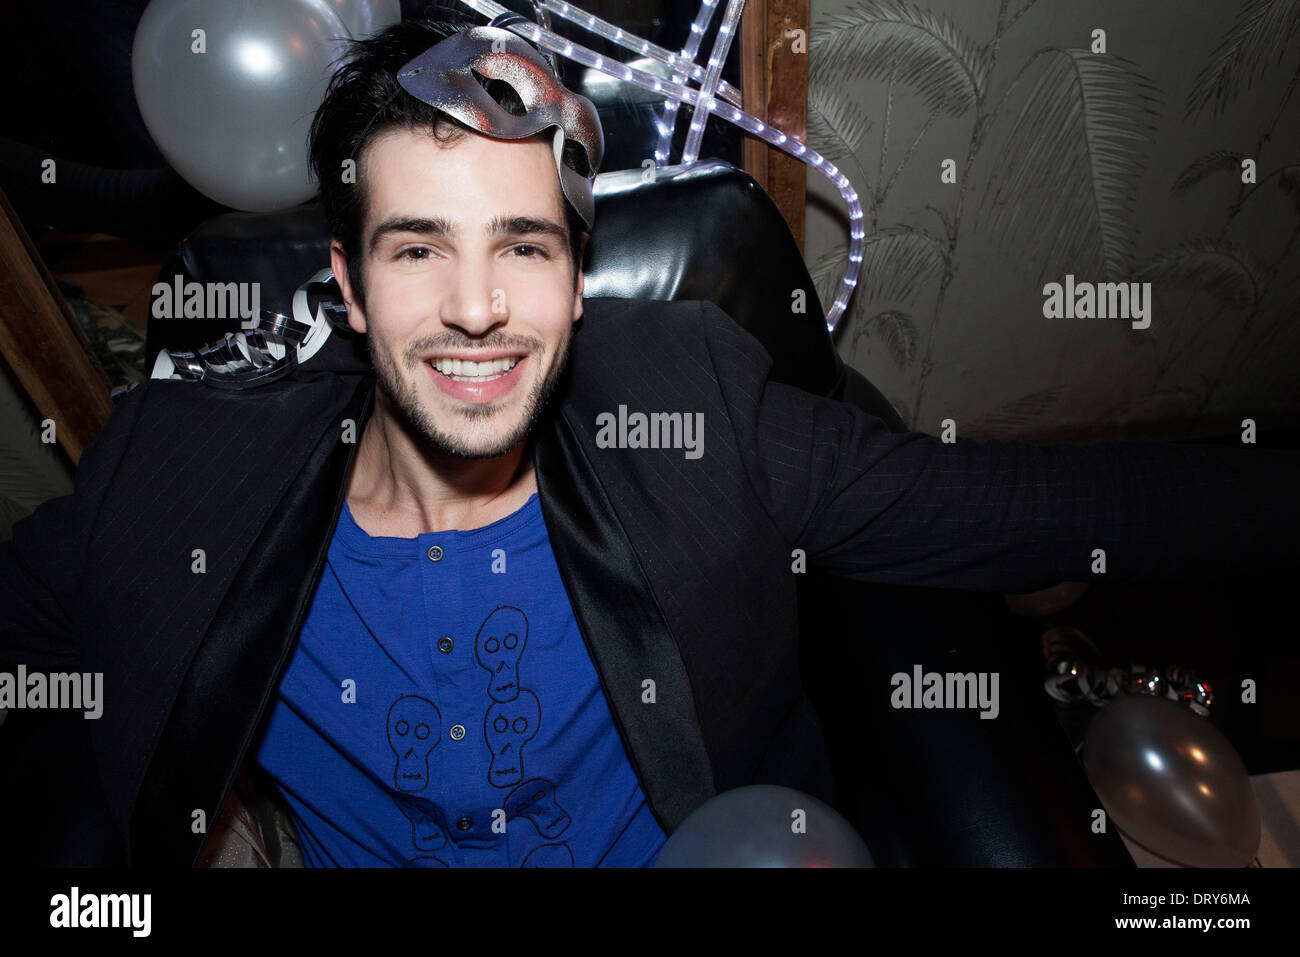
(465, 259)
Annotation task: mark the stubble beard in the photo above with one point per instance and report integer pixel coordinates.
(405, 399)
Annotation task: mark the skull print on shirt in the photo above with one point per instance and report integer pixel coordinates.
(512, 718)
(498, 647)
(426, 833)
(508, 726)
(414, 727)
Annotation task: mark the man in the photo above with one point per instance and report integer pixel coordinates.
(479, 635)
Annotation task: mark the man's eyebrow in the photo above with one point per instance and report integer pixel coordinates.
(436, 226)
(440, 226)
(527, 226)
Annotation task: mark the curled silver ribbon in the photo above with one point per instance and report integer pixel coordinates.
(246, 359)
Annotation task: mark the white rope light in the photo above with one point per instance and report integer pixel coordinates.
(679, 61)
(721, 44)
(693, 40)
(704, 105)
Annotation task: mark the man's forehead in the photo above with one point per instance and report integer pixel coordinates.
(396, 186)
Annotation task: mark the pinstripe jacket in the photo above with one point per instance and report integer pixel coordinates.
(679, 568)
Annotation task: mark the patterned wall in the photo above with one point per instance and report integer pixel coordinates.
(1000, 146)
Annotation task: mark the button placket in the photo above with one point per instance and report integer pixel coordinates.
(451, 676)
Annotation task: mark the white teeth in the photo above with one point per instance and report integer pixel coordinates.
(469, 369)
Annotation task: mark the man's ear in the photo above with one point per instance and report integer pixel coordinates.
(582, 279)
(339, 266)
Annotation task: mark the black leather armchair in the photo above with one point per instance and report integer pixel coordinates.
(924, 788)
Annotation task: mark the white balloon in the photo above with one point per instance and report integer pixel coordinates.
(229, 89)
(365, 18)
(1171, 781)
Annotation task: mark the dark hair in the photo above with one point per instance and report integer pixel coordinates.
(363, 100)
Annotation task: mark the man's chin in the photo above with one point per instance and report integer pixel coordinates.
(458, 447)
(471, 440)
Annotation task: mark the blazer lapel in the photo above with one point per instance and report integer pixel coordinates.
(235, 670)
(625, 630)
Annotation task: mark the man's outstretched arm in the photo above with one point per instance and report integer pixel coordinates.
(869, 504)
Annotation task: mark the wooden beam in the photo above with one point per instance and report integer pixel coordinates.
(775, 84)
(44, 346)
(753, 81)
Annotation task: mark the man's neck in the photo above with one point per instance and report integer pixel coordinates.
(400, 488)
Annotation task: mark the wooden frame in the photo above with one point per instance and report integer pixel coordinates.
(43, 345)
(775, 87)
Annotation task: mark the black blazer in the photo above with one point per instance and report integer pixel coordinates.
(679, 570)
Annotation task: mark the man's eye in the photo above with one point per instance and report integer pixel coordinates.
(531, 251)
(407, 254)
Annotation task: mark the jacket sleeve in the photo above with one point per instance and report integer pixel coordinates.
(41, 565)
(869, 504)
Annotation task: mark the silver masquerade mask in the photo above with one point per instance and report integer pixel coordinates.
(444, 76)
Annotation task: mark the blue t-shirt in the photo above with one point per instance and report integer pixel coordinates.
(440, 684)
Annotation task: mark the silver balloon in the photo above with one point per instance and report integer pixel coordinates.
(233, 120)
(753, 826)
(1172, 782)
(365, 18)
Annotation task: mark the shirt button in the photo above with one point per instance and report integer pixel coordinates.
(445, 644)
(457, 732)
(435, 553)
(464, 824)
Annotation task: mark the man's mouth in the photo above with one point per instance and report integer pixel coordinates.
(467, 370)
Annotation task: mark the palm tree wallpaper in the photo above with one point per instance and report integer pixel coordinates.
(1011, 153)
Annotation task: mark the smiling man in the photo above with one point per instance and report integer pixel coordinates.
(471, 293)
(483, 634)
(477, 709)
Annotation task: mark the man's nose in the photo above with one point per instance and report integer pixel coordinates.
(475, 302)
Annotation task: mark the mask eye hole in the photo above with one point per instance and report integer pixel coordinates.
(574, 155)
(501, 92)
